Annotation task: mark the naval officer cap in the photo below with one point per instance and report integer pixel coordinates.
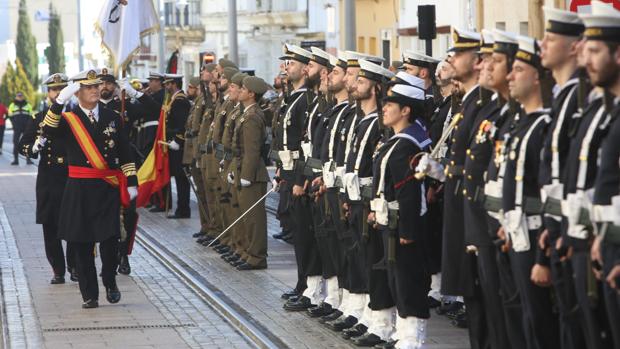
(403, 78)
(319, 56)
(340, 60)
(419, 59)
(562, 22)
(354, 57)
(225, 63)
(173, 78)
(156, 76)
(372, 71)
(486, 41)
(56, 80)
(603, 23)
(505, 42)
(256, 85)
(229, 72)
(107, 75)
(407, 95)
(398, 65)
(296, 53)
(529, 51)
(237, 79)
(464, 40)
(87, 78)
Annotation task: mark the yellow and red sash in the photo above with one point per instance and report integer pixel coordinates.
(99, 168)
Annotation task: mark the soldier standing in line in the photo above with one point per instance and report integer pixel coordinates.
(250, 174)
(51, 180)
(19, 113)
(205, 158)
(232, 247)
(100, 164)
(559, 54)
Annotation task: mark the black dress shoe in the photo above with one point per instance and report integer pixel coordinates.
(57, 280)
(227, 254)
(367, 340)
(212, 243)
(222, 249)
(302, 303)
(333, 316)
(90, 304)
(279, 236)
(238, 262)
(386, 345)
(460, 320)
(321, 310)
(112, 294)
(232, 258)
(15, 163)
(179, 216)
(288, 238)
(248, 266)
(448, 307)
(123, 266)
(29, 162)
(204, 239)
(157, 209)
(355, 331)
(341, 324)
(453, 314)
(289, 294)
(199, 234)
(73, 275)
(433, 303)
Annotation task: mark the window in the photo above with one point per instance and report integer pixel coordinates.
(189, 18)
(361, 44)
(500, 25)
(523, 28)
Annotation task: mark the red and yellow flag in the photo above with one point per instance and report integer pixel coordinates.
(154, 173)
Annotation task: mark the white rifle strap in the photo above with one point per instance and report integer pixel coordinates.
(384, 162)
(521, 160)
(287, 118)
(360, 150)
(310, 117)
(555, 138)
(585, 148)
(350, 137)
(332, 135)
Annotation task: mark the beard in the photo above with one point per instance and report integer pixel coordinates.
(105, 94)
(607, 76)
(336, 88)
(313, 81)
(362, 95)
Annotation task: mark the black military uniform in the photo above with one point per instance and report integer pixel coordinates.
(177, 112)
(100, 163)
(51, 179)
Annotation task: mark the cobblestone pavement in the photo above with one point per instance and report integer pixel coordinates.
(157, 309)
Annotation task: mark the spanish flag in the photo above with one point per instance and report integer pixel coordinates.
(154, 173)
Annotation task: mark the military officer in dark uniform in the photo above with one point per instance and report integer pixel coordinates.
(521, 193)
(583, 162)
(177, 112)
(100, 166)
(51, 179)
(399, 214)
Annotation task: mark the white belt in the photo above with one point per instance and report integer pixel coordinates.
(150, 123)
(365, 181)
(534, 222)
(393, 205)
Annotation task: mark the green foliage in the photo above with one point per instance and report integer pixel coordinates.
(55, 52)
(15, 80)
(26, 45)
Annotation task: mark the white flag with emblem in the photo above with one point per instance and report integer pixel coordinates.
(122, 23)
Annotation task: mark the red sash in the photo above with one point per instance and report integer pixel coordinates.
(100, 168)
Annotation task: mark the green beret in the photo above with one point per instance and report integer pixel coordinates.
(210, 67)
(237, 79)
(194, 81)
(224, 63)
(255, 84)
(229, 72)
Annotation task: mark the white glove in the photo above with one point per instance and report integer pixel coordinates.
(39, 143)
(67, 92)
(431, 168)
(221, 166)
(173, 145)
(275, 184)
(230, 178)
(571, 207)
(133, 192)
(245, 183)
(129, 90)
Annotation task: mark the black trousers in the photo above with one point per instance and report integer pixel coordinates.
(476, 315)
(488, 275)
(326, 237)
(285, 217)
(130, 224)
(182, 194)
(343, 240)
(356, 259)
(304, 241)
(539, 322)
(511, 301)
(54, 250)
(590, 311)
(85, 263)
(18, 129)
(610, 254)
(2, 128)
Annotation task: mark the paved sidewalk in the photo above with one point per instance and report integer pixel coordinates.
(156, 310)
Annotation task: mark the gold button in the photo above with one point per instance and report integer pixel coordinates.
(469, 177)
(468, 151)
(464, 192)
(472, 157)
(49, 162)
(453, 140)
(452, 163)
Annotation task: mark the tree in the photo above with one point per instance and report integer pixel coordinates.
(15, 80)
(6, 86)
(55, 52)
(26, 45)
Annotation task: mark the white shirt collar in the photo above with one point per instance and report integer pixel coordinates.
(469, 92)
(95, 111)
